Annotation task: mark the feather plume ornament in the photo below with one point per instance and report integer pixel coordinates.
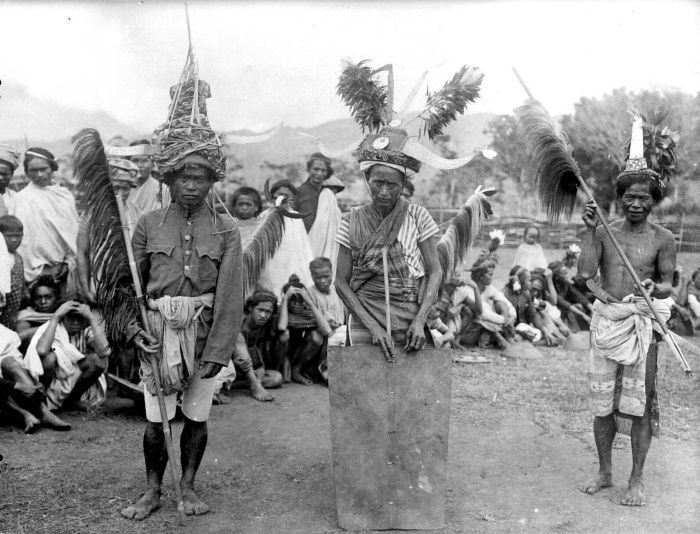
(551, 161)
(365, 96)
(109, 264)
(443, 106)
(463, 230)
(659, 144)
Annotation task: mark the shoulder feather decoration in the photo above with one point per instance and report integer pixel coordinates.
(443, 106)
(551, 161)
(463, 230)
(109, 263)
(365, 96)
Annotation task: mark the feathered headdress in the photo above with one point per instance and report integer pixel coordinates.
(551, 161)
(651, 148)
(109, 264)
(371, 105)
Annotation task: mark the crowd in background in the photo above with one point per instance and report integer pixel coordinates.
(54, 353)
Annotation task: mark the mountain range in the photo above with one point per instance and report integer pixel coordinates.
(41, 122)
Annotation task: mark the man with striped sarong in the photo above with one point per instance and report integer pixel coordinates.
(622, 369)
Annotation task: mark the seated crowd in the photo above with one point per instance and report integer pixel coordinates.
(54, 353)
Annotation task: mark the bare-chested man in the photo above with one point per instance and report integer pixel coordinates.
(651, 251)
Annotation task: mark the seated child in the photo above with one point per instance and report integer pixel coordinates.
(44, 298)
(302, 325)
(69, 355)
(13, 231)
(326, 299)
(258, 351)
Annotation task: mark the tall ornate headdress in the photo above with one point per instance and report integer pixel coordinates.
(651, 148)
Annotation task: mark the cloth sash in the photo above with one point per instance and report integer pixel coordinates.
(173, 322)
(623, 332)
(369, 234)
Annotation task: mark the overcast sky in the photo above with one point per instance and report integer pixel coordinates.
(272, 62)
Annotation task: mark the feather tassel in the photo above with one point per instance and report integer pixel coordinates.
(463, 230)
(109, 264)
(555, 170)
(365, 97)
(443, 106)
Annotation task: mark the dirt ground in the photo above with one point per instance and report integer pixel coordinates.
(519, 445)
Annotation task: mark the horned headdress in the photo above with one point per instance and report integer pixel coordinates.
(385, 142)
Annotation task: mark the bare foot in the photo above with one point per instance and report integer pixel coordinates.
(145, 506)
(193, 504)
(31, 424)
(300, 378)
(259, 393)
(594, 486)
(634, 496)
(51, 420)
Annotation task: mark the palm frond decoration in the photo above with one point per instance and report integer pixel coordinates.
(262, 246)
(443, 106)
(551, 161)
(463, 230)
(659, 143)
(109, 264)
(365, 96)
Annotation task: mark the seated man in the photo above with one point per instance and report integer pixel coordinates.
(573, 303)
(44, 296)
(68, 354)
(21, 396)
(496, 323)
(302, 325)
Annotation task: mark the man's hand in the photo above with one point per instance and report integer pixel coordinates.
(146, 343)
(648, 286)
(415, 336)
(85, 311)
(30, 390)
(380, 337)
(548, 273)
(66, 308)
(590, 214)
(209, 369)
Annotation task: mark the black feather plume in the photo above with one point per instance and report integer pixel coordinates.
(551, 162)
(109, 264)
(365, 97)
(444, 105)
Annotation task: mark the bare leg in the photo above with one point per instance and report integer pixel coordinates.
(51, 420)
(30, 421)
(257, 391)
(604, 433)
(641, 437)
(156, 457)
(305, 355)
(49, 364)
(91, 368)
(193, 441)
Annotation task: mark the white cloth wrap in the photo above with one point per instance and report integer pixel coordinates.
(322, 233)
(623, 332)
(173, 321)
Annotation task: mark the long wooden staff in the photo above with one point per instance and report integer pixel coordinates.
(387, 300)
(153, 361)
(635, 278)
